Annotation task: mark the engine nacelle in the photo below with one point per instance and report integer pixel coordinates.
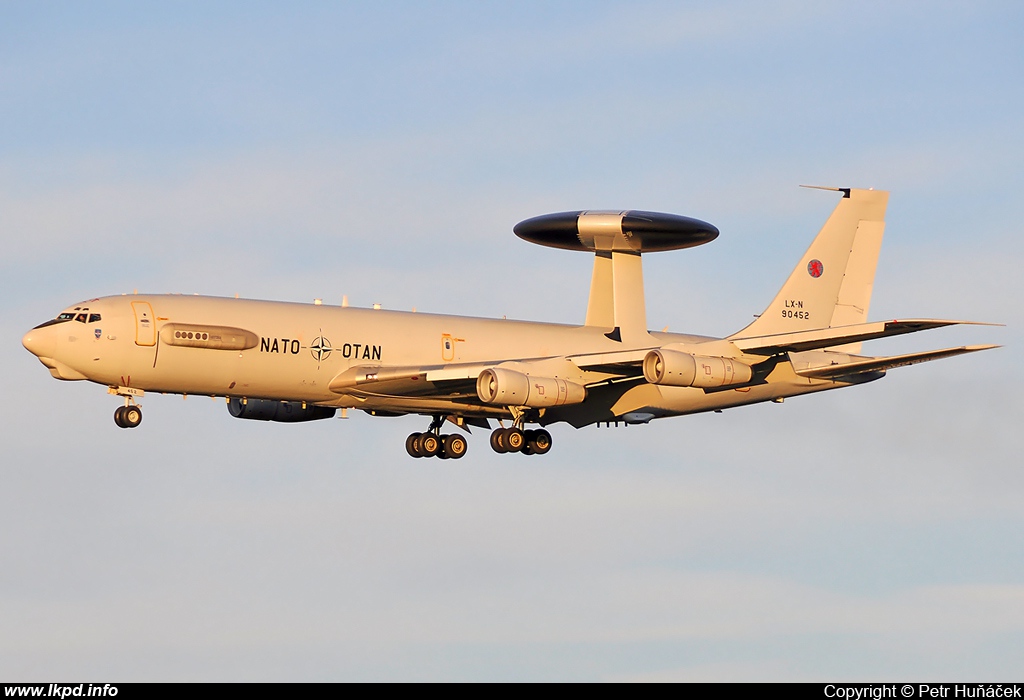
(278, 411)
(510, 388)
(674, 368)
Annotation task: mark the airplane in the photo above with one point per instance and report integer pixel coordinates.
(293, 362)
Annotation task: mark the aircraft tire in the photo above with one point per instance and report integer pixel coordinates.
(528, 442)
(429, 444)
(131, 416)
(498, 440)
(119, 417)
(540, 442)
(514, 440)
(412, 445)
(454, 447)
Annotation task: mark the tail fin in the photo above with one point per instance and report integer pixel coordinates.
(831, 286)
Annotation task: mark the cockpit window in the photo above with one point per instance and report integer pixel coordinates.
(52, 321)
(71, 316)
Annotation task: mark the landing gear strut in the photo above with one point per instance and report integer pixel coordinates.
(433, 444)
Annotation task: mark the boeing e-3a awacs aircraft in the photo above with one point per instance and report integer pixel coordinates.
(293, 362)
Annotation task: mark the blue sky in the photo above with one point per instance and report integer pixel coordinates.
(384, 152)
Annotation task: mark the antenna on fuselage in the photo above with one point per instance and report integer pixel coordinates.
(618, 239)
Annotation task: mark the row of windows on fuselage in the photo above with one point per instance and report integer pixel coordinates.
(81, 318)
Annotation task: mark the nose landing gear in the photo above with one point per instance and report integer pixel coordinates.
(129, 415)
(433, 444)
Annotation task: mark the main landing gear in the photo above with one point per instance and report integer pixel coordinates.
(128, 416)
(515, 439)
(433, 444)
(529, 442)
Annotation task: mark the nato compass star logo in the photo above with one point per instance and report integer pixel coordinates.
(321, 349)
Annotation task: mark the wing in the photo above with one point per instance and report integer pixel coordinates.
(452, 388)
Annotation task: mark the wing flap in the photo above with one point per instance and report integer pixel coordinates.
(454, 381)
(622, 362)
(831, 337)
(361, 375)
(879, 364)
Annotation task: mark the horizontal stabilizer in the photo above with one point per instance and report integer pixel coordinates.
(817, 339)
(880, 364)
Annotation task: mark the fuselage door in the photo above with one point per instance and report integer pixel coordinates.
(145, 323)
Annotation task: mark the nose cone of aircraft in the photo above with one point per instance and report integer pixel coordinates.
(39, 342)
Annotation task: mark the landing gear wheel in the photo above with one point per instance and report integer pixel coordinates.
(454, 447)
(539, 442)
(131, 416)
(412, 445)
(429, 444)
(119, 417)
(514, 439)
(498, 440)
(528, 442)
(441, 454)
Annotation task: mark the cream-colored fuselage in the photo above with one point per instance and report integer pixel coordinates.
(296, 362)
(302, 347)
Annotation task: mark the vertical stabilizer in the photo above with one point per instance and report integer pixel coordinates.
(832, 283)
(859, 281)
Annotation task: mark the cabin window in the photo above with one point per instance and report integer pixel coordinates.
(93, 318)
(81, 318)
(66, 316)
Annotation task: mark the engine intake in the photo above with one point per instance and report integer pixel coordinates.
(674, 368)
(278, 411)
(510, 388)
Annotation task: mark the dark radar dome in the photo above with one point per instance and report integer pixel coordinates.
(636, 231)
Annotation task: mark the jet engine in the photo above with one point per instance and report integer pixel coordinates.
(278, 411)
(674, 368)
(510, 388)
